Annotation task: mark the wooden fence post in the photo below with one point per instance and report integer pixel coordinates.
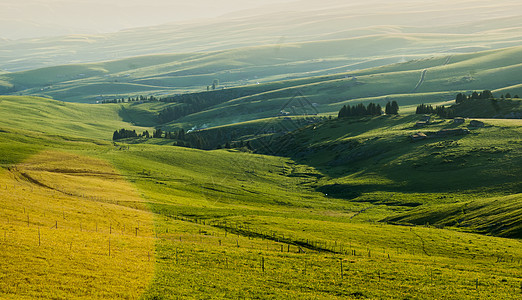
(342, 276)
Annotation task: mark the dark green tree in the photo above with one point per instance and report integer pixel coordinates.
(424, 109)
(158, 133)
(394, 108)
(486, 94)
(342, 113)
(115, 135)
(460, 98)
(387, 109)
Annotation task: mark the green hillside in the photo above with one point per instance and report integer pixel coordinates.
(498, 216)
(490, 108)
(62, 118)
(233, 218)
(434, 80)
(443, 79)
(212, 159)
(181, 73)
(373, 160)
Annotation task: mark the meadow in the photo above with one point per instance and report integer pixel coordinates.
(442, 78)
(84, 217)
(291, 202)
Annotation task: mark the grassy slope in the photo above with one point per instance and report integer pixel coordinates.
(160, 74)
(373, 160)
(497, 108)
(61, 118)
(394, 82)
(220, 214)
(66, 235)
(498, 216)
(445, 76)
(178, 73)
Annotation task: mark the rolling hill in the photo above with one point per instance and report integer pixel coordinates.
(285, 222)
(428, 27)
(442, 79)
(432, 80)
(287, 200)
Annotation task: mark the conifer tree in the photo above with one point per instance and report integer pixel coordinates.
(394, 108)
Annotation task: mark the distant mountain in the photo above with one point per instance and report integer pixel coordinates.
(442, 26)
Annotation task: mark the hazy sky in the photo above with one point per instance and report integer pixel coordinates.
(38, 18)
(28, 18)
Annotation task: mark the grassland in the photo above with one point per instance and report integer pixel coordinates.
(231, 224)
(444, 77)
(68, 120)
(68, 226)
(335, 209)
(279, 77)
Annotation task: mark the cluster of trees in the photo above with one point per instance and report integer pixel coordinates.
(440, 111)
(237, 145)
(486, 94)
(171, 135)
(183, 139)
(425, 109)
(360, 110)
(175, 112)
(124, 134)
(371, 109)
(392, 108)
(187, 104)
(132, 99)
(508, 96)
(214, 85)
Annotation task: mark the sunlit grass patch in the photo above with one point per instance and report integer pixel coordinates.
(64, 234)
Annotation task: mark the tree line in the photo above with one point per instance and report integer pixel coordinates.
(180, 137)
(372, 109)
(124, 134)
(441, 111)
(486, 94)
(139, 98)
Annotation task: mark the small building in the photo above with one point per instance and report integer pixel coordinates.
(458, 120)
(418, 136)
(475, 123)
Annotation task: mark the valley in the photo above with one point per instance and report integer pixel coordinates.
(301, 150)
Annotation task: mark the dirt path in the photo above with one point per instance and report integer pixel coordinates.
(423, 75)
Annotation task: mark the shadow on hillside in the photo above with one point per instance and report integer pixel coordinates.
(137, 117)
(434, 165)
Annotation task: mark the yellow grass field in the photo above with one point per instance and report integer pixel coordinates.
(72, 223)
